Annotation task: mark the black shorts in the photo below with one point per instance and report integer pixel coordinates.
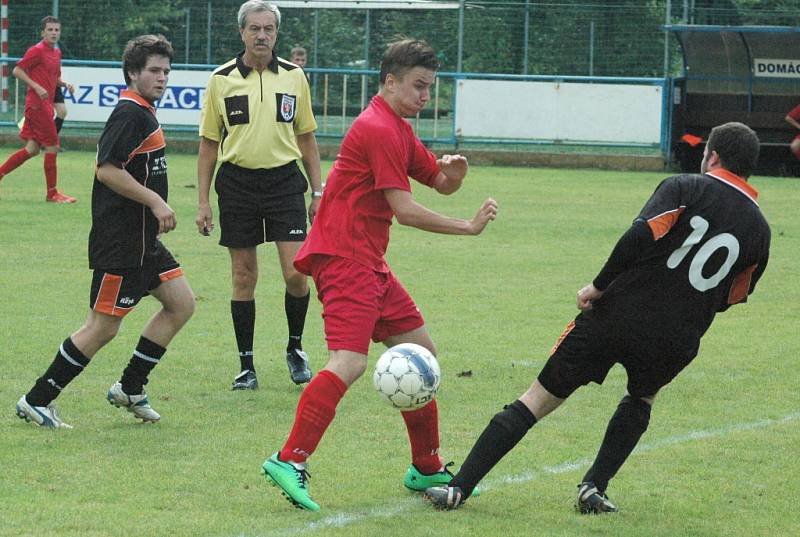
(257, 206)
(116, 292)
(58, 96)
(588, 349)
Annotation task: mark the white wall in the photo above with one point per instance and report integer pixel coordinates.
(569, 112)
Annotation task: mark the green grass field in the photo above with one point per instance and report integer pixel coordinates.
(719, 459)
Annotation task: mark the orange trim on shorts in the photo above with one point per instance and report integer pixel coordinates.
(106, 301)
(561, 338)
(171, 274)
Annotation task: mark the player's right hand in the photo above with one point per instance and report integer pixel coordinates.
(165, 216)
(486, 213)
(204, 220)
(587, 296)
(42, 93)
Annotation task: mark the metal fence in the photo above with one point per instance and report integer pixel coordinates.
(567, 37)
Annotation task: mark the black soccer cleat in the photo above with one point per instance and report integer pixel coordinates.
(446, 498)
(591, 501)
(297, 362)
(246, 380)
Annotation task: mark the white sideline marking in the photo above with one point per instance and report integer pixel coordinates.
(340, 520)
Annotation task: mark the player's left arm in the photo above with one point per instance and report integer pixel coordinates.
(307, 143)
(64, 84)
(410, 213)
(452, 170)
(628, 249)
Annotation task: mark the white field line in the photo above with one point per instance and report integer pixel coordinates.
(343, 519)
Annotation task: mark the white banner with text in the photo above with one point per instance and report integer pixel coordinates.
(97, 91)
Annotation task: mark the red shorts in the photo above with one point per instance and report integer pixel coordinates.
(359, 304)
(40, 126)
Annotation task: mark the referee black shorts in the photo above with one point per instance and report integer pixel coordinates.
(58, 96)
(588, 349)
(264, 205)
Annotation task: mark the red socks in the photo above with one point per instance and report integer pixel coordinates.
(14, 161)
(50, 172)
(423, 432)
(315, 411)
(317, 407)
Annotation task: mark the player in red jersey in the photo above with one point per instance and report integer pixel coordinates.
(40, 70)
(699, 246)
(793, 119)
(344, 253)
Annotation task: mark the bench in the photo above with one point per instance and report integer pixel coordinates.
(701, 112)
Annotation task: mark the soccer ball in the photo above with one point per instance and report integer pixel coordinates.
(407, 376)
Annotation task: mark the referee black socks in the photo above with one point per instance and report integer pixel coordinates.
(504, 431)
(67, 364)
(296, 308)
(243, 313)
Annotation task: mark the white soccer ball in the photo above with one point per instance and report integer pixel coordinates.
(407, 376)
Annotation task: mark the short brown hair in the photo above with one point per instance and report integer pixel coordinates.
(737, 146)
(139, 49)
(298, 51)
(404, 54)
(49, 20)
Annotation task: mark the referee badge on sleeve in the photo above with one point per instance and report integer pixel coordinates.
(286, 107)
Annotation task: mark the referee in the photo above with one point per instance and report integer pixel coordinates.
(257, 121)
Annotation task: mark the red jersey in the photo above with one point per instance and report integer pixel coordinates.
(795, 113)
(42, 63)
(380, 151)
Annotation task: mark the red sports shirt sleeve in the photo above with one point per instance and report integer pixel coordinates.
(423, 166)
(388, 159)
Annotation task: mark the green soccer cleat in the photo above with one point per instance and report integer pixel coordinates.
(419, 482)
(292, 479)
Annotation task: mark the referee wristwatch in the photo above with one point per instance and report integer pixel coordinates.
(316, 194)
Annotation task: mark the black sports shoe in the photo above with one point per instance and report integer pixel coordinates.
(445, 497)
(246, 380)
(297, 361)
(593, 502)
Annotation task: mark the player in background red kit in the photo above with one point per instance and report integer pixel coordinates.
(40, 70)
(793, 119)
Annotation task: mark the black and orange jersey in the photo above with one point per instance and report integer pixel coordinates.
(698, 246)
(123, 230)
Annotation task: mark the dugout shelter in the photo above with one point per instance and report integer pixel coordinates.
(749, 74)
